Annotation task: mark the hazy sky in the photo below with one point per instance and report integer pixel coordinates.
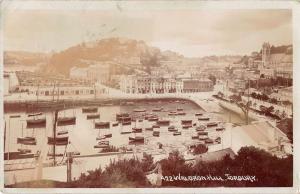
(189, 32)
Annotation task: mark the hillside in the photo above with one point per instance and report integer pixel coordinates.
(24, 58)
(111, 49)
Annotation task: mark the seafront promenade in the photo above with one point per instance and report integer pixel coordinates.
(203, 99)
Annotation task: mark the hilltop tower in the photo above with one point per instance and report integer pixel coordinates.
(266, 52)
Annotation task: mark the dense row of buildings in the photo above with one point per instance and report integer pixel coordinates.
(262, 69)
(141, 84)
(41, 85)
(269, 72)
(94, 72)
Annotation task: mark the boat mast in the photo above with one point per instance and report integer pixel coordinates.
(57, 92)
(4, 135)
(95, 91)
(37, 94)
(54, 136)
(53, 91)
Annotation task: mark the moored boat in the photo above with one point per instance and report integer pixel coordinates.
(122, 117)
(17, 155)
(108, 135)
(186, 126)
(58, 141)
(176, 133)
(56, 155)
(126, 123)
(103, 142)
(163, 122)
(63, 132)
(34, 114)
(200, 128)
(93, 116)
(137, 130)
(26, 140)
(202, 133)
(209, 141)
(36, 122)
(179, 109)
(198, 114)
(125, 132)
(102, 125)
(212, 124)
(186, 122)
(172, 129)
(218, 140)
(220, 129)
(181, 113)
(136, 139)
(89, 109)
(14, 116)
(172, 113)
(149, 128)
(153, 119)
(101, 137)
(203, 137)
(115, 124)
(203, 118)
(66, 121)
(101, 146)
(157, 109)
(156, 126)
(24, 150)
(195, 136)
(156, 133)
(139, 110)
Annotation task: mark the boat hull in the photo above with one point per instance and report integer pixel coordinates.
(66, 121)
(102, 125)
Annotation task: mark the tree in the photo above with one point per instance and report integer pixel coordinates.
(200, 149)
(253, 95)
(243, 106)
(212, 78)
(220, 94)
(273, 100)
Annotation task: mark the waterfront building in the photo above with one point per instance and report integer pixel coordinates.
(99, 72)
(11, 82)
(6, 84)
(286, 94)
(63, 90)
(128, 84)
(266, 52)
(237, 85)
(136, 84)
(267, 72)
(197, 85)
(79, 72)
(95, 72)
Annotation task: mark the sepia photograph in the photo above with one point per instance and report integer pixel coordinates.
(116, 94)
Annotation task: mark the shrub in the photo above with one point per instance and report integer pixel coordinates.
(200, 149)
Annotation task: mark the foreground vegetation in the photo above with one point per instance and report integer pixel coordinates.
(268, 170)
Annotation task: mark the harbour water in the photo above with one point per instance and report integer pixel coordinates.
(82, 135)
